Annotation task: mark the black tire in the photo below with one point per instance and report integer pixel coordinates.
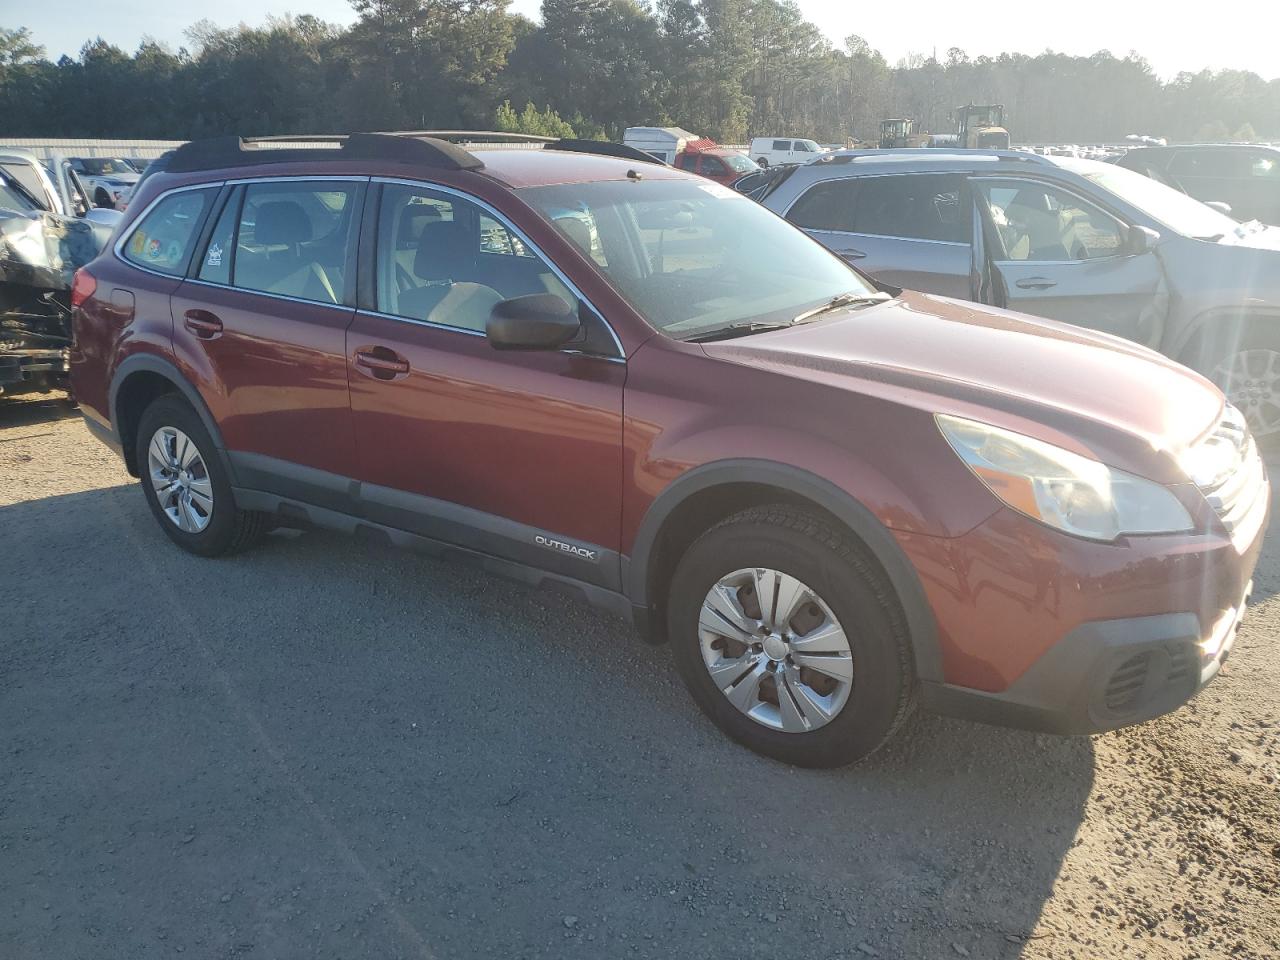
(229, 529)
(1259, 400)
(102, 199)
(839, 570)
(763, 163)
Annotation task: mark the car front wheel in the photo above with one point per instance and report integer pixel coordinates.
(1250, 377)
(789, 638)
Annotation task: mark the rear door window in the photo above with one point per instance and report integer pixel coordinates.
(162, 240)
(826, 206)
(914, 207)
(784, 145)
(687, 161)
(1229, 164)
(297, 239)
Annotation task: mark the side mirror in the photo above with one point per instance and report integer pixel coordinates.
(539, 321)
(1219, 206)
(1142, 239)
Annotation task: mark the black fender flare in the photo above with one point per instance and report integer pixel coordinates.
(151, 363)
(904, 579)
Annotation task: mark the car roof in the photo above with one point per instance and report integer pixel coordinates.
(917, 159)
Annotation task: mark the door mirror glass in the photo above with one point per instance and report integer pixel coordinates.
(538, 321)
(1142, 239)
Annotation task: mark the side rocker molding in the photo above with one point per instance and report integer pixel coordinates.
(861, 521)
(150, 363)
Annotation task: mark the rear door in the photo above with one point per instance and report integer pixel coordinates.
(906, 230)
(260, 326)
(514, 454)
(1056, 254)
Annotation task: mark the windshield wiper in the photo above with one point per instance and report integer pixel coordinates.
(735, 330)
(843, 300)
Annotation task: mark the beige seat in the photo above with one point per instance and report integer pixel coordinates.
(445, 266)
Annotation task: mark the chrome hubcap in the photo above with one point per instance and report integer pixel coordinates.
(180, 479)
(1251, 381)
(775, 650)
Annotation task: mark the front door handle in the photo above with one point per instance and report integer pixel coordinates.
(850, 254)
(381, 363)
(1035, 283)
(203, 324)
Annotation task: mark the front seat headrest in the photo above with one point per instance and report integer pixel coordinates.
(282, 222)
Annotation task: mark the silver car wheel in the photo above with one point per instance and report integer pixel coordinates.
(180, 479)
(1251, 381)
(774, 648)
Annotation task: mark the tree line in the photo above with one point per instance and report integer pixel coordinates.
(729, 69)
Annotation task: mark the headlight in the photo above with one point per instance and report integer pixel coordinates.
(1065, 490)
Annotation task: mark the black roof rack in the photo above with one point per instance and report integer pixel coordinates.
(604, 148)
(240, 152)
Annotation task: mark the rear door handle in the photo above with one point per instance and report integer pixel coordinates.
(850, 254)
(203, 324)
(1035, 283)
(381, 363)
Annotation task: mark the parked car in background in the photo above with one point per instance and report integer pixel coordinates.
(831, 501)
(775, 151)
(661, 143)
(150, 169)
(108, 179)
(1090, 243)
(40, 250)
(1244, 177)
(715, 163)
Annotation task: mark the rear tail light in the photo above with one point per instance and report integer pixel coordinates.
(82, 287)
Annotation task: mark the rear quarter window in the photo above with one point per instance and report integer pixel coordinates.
(163, 239)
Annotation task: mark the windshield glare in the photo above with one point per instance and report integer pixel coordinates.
(1173, 208)
(694, 257)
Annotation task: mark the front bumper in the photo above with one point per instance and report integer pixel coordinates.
(1103, 675)
(1044, 631)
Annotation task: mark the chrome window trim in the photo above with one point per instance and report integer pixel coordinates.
(273, 296)
(868, 175)
(514, 230)
(469, 332)
(118, 247)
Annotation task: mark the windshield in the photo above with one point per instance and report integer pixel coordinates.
(696, 257)
(1173, 208)
(104, 166)
(740, 164)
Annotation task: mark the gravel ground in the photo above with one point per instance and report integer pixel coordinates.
(331, 749)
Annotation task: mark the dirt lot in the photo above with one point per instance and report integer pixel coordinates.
(327, 749)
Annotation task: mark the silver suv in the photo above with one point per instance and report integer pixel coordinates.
(1075, 240)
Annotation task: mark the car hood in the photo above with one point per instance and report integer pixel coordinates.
(1264, 238)
(1099, 395)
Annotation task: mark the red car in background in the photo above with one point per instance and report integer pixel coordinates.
(604, 375)
(708, 159)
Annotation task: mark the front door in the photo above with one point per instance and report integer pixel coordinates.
(1060, 256)
(513, 454)
(261, 325)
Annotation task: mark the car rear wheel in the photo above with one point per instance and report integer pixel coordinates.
(185, 484)
(789, 638)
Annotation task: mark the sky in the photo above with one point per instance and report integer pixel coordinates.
(1174, 35)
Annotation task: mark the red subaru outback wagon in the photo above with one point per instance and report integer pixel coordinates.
(601, 374)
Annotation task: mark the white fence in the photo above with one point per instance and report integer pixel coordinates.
(136, 149)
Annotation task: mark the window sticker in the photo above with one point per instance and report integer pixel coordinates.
(215, 255)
